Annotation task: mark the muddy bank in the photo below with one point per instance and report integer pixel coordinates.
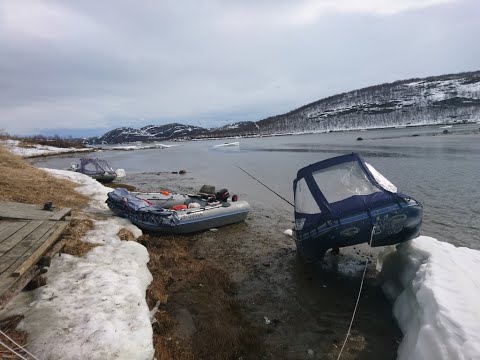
(303, 311)
(294, 311)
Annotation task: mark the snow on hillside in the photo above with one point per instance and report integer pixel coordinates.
(437, 100)
(453, 98)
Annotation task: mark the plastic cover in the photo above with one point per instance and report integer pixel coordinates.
(91, 166)
(304, 200)
(342, 181)
(337, 187)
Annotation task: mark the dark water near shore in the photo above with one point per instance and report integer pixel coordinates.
(441, 171)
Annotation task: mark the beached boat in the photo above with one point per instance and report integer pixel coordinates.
(166, 212)
(95, 168)
(343, 201)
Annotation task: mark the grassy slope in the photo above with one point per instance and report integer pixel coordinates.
(21, 182)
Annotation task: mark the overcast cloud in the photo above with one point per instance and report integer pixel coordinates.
(83, 66)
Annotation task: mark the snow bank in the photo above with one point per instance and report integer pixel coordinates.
(120, 173)
(92, 307)
(436, 290)
(88, 187)
(37, 150)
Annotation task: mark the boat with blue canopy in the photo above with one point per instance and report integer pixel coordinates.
(343, 201)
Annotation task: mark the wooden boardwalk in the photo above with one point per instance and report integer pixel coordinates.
(28, 240)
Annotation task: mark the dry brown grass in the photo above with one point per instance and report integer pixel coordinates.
(182, 282)
(125, 234)
(21, 182)
(73, 235)
(9, 327)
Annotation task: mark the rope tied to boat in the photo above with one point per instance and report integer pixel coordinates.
(358, 297)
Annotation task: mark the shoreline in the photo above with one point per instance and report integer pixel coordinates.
(296, 308)
(59, 153)
(408, 126)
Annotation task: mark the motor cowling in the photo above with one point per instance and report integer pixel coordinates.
(222, 195)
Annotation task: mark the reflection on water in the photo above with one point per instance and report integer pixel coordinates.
(441, 171)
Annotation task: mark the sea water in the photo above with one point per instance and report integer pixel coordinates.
(442, 171)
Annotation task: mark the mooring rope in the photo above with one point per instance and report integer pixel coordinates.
(20, 346)
(358, 298)
(364, 270)
(254, 178)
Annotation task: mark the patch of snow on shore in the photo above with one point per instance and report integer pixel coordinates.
(288, 232)
(96, 236)
(436, 289)
(37, 150)
(93, 307)
(88, 187)
(120, 173)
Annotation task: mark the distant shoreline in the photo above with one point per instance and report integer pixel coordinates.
(84, 150)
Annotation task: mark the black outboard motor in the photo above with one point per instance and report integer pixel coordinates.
(222, 195)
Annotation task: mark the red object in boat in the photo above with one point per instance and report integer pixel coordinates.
(179, 207)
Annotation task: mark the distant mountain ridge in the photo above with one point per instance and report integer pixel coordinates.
(441, 99)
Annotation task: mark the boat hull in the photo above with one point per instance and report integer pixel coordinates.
(104, 178)
(204, 219)
(391, 225)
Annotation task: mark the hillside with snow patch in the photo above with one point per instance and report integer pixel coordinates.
(445, 99)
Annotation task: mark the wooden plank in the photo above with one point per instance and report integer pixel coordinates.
(12, 286)
(9, 231)
(5, 224)
(23, 246)
(16, 237)
(59, 215)
(13, 210)
(46, 259)
(36, 252)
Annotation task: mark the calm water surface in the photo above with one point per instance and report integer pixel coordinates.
(441, 171)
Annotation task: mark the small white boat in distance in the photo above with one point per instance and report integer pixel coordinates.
(446, 127)
(236, 143)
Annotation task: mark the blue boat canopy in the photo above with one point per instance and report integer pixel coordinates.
(336, 188)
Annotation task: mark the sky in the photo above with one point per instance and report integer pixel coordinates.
(81, 68)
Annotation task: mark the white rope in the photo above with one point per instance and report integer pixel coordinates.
(20, 346)
(13, 351)
(358, 298)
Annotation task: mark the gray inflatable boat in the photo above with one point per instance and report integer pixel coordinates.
(95, 168)
(177, 213)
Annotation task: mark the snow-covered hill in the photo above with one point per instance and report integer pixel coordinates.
(434, 100)
(442, 99)
(148, 133)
